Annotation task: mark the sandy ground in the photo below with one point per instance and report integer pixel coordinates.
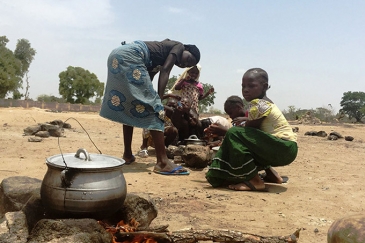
(325, 181)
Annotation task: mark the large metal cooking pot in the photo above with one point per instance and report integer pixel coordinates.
(83, 184)
(193, 139)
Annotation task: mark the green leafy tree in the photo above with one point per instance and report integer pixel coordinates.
(353, 105)
(214, 111)
(25, 53)
(291, 113)
(50, 98)
(10, 69)
(78, 85)
(170, 83)
(325, 114)
(14, 66)
(208, 101)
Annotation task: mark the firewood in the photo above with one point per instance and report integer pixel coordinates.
(157, 229)
(141, 236)
(192, 236)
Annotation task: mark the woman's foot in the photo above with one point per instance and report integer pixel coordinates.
(255, 184)
(272, 176)
(167, 166)
(129, 159)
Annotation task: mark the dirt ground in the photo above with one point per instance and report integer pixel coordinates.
(325, 181)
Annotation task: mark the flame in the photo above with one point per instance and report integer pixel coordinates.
(123, 227)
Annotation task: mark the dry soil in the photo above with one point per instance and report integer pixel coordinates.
(325, 181)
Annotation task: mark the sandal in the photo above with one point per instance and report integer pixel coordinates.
(130, 161)
(143, 153)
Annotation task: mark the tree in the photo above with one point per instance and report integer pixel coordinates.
(78, 85)
(214, 111)
(25, 53)
(14, 66)
(353, 105)
(325, 114)
(10, 69)
(208, 101)
(50, 98)
(291, 113)
(170, 83)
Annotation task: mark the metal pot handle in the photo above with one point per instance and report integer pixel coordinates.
(64, 179)
(193, 137)
(82, 150)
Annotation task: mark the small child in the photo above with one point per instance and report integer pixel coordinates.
(170, 132)
(188, 85)
(234, 107)
(264, 141)
(176, 118)
(180, 118)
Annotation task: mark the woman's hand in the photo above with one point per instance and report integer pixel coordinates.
(214, 143)
(239, 121)
(215, 129)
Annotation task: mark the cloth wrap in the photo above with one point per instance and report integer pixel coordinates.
(245, 151)
(129, 96)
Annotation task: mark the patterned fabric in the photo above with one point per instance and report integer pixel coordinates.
(146, 134)
(129, 96)
(258, 108)
(245, 151)
(274, 123)
(192, 91)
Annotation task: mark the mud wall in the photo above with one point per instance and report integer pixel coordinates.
(53, 106)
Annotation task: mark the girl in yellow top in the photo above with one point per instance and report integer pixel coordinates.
(260, 141)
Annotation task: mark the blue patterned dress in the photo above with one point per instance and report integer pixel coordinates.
(129, 96)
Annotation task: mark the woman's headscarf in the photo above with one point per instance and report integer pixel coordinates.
(183, 76)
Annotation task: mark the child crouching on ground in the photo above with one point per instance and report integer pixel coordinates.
(263, 141)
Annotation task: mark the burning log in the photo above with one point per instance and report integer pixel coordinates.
(125, 233)
(141, 237)
(192, 236)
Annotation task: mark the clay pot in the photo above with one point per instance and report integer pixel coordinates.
(193, 139)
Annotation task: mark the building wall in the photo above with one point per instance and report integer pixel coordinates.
(54, 106)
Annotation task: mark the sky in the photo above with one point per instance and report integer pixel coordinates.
(313, 50)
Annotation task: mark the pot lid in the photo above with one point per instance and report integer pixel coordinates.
(83, 160)
(193, 138)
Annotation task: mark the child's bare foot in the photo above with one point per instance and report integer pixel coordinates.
(255, 184)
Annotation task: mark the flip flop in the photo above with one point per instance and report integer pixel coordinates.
(284, 178)
(249, 185)
(176, 171)
(131, 161)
